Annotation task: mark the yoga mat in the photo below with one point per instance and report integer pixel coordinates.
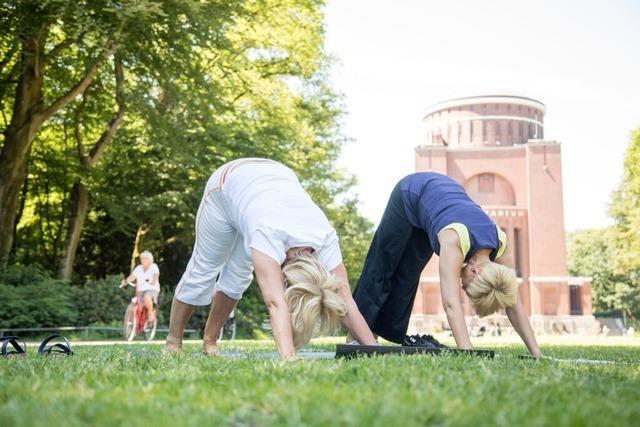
(274, 355)
(350, 351)
(579, 360)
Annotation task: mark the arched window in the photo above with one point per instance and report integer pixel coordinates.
(489, 189)
(486, 183)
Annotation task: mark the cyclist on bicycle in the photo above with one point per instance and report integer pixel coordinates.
(147, 278)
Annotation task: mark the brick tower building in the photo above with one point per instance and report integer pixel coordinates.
(494, 146)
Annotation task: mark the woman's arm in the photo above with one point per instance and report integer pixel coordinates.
(130, 279)
(518, 317)
(353, 321)
(520, 323)
(269, 276)
(450, 265)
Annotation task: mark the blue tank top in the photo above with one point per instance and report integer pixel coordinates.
(433, 201)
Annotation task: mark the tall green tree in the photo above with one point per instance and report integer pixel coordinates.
(612, 255)
(203, 82)
(592, 253)
(79, 195)
(30, 46)
(625, 210)
(188, 86)
(53, 50)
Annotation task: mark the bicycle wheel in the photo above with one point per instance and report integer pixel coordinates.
(150, 330)
(129, 323)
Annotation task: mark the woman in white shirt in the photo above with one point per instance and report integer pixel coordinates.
(255, 215)
(146, 275)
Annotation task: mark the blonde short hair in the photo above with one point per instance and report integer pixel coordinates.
(146, 254)
(492, 289)
(312, 293)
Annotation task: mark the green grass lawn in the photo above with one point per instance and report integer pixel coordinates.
(138, 385)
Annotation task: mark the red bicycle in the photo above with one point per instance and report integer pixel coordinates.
(136, 320)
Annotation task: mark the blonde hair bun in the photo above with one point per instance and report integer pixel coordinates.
(493, 288)
(312, 293)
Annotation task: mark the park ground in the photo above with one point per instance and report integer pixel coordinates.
(121, 384)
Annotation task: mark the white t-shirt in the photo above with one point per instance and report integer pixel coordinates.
(144, 279)
(274, 213)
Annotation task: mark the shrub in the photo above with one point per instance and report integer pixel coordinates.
(31, 298)
(101, 301)
(18, 275)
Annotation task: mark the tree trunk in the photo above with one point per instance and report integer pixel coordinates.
(29, 114)
(10, 185)
(18, 137)
(142, 230)
(78, 208)
(21, 204)
(79, 199)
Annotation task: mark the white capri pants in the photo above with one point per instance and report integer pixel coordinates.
(218, 249)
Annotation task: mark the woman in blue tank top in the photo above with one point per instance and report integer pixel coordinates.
(429, 212)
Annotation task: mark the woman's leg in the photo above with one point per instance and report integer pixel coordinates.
(235, 277)
(393, 318)
(384, 256)
(214, 240)
(148, 304)
(220, 310)
(180, 315)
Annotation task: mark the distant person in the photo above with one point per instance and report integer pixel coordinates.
(597, 328)
(254, 214)
(496, 330)
(146, 276)
(430, 213)
(482, 330)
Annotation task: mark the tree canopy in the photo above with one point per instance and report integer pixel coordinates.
(115, 113)
(612, 255)
(592, 253)
(625, 210)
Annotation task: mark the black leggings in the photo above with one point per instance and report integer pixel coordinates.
(391, 272)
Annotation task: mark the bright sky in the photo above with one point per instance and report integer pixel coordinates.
(580, 58)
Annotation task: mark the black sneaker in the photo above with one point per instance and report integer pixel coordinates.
(433, 341)
(419, 341)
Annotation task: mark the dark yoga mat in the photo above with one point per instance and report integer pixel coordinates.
(350, 351)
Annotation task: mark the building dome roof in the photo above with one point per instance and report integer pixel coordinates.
(489, 119)
(502, 97)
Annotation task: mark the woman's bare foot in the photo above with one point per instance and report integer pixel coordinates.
(173, 345)
(210, 348)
